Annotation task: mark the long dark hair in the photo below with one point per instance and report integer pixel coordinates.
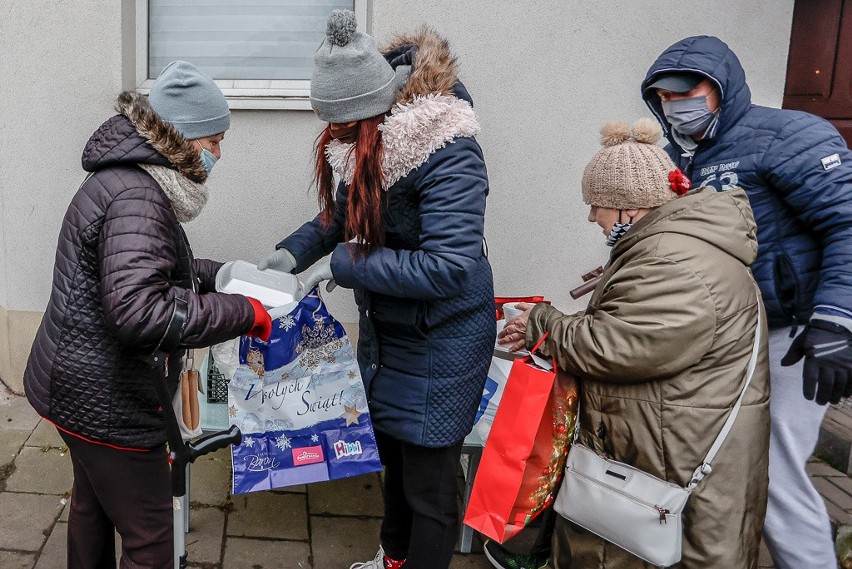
(364, 209)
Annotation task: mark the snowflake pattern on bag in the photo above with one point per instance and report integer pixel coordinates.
(282, 442)
(287, 322)
(318, 344)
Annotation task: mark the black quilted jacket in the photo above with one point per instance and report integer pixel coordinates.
(121, 259)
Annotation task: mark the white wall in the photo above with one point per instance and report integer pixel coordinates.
(544, 75)
(60, 70)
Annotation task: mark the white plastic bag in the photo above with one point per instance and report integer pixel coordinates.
(498, 373)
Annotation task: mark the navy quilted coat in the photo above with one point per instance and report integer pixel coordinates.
(797, 172)
(121, 259)
(425, 298)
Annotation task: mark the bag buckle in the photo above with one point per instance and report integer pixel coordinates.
(704, 470)
(663, 512)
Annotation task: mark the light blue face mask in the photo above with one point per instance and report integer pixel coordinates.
(208, 159)
(689, 116)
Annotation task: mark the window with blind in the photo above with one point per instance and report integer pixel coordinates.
(259, 52)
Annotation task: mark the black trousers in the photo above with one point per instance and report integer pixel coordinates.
(421, 508)
(124, 491)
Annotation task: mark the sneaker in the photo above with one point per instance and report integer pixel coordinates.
(502, 558)
(376, 563)
(379, 562)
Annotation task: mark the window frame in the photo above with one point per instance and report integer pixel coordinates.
(288, 94)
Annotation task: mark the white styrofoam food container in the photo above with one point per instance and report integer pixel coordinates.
(272, 288)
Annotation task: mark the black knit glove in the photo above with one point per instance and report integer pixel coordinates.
(827, 349)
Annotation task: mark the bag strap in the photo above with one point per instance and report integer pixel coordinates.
(539, 343)
(540, 361)
(172, 335)
(706, 468)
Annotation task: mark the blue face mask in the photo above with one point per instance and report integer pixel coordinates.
(208, 159)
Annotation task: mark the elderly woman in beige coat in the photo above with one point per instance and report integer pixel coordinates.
(662, 350)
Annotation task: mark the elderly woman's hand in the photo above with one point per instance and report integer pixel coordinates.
(515, 331)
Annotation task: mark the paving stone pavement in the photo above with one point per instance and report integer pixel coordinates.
(321, 526)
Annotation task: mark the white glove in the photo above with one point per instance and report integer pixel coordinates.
(281, 260)
(322, 272)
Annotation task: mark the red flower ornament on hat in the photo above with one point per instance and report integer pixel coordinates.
(679, 183)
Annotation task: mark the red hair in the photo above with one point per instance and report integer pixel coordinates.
(364, 209)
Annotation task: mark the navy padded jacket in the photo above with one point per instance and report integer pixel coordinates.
(797, 172)
(425, 298)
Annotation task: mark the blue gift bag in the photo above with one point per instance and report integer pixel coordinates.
(300, 403)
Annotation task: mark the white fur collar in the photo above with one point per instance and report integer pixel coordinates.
(410, 134)
(187, 197)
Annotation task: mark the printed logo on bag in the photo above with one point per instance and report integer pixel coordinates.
(488, 392)
(307, 455)
(257, 463)
(343, 449)
(830, 162)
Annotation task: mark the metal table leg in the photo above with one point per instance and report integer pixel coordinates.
(185, 502)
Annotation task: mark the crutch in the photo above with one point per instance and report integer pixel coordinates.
(181, 453)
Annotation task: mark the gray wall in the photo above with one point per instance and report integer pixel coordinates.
(544, 75)
(60, 69)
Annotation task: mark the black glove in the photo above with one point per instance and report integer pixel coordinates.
(827, 349)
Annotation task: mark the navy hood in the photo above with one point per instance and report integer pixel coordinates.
(708, 56)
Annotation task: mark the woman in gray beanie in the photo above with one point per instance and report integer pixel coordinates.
(122, 262)
(404, 229)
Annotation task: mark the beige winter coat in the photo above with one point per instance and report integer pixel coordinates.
(661, 352)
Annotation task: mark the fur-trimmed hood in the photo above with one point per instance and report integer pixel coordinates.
(138, 136)
(435, 69)
(410, 134)
(427, 115)
(165, 138)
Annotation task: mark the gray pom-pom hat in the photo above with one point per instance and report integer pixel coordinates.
(351, 79)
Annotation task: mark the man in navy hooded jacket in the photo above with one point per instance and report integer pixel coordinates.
(797, 172)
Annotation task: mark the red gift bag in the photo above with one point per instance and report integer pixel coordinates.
(524, 457)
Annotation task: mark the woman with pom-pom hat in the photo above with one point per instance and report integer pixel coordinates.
(663, 348)
(404, 228)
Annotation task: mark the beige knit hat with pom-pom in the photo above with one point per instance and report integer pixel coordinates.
(630, 171)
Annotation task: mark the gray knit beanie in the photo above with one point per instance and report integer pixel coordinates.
(351, 79)
(188, 99)
(630, 171)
